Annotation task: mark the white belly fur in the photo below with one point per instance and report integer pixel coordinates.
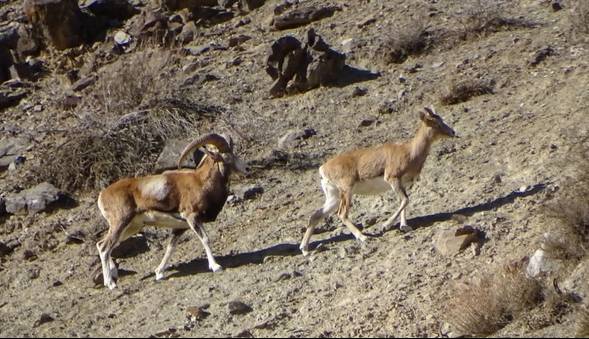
(371, 186)
(160, 219)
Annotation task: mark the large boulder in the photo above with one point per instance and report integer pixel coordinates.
(453, 241)
(59, 21)
(33, 200)
(113, 9)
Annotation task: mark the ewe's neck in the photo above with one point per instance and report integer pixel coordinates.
(421, 142)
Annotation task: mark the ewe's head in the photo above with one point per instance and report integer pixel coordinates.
(434, 121)
(223, 153)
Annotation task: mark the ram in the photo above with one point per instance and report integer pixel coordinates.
(179, 199)
(376, 170)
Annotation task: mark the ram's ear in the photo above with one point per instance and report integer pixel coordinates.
(229, 140)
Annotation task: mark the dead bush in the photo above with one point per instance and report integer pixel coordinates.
(579, 17)
(459, 91)
(406, 40)
(123, 124)
(100, 152)
(482, 17)
(582, 323)
(491, 301)
(568, 239)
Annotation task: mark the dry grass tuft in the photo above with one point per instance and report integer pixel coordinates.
(569, 238)
(582, 323)
(482, 17)
(492, 301)
(579, 16)
(406, 40)
(461, 91)
(123, 124)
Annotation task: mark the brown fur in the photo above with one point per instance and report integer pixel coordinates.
(396, 163)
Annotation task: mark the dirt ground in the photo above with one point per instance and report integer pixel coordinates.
(510, 160)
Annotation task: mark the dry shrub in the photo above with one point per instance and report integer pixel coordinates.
(569, 237)
(462, 90)
(123, 124)
(406, 40)
(491, 301)
(582, 323)
(579, 17)
(482, 17)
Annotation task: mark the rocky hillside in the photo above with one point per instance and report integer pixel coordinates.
(103, 89)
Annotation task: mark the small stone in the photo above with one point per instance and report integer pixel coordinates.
(43, 319)
(122, 38)
(359, 91)
(238, 307)
(556, 5)
(367, 122)
(83, 83)
(453, 241)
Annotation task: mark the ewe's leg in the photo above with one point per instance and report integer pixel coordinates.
(344, 208)
(197, 227)
(159, 272)
(105, 247)
(398, 187)
(331, 202)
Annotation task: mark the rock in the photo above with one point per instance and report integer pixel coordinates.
(70, 100)
(297, 69)
(197, 313)
(190, 4)
(451, 242)
(11, 98)
(541, 55)
(367, 122)
(4, 249)
(388, 107)
(121, 38)
(359, 91)
(291, 137)
(168, 158)
(188, 33)
(59, 21)
(556, 5)
(43, 319)
(11, 150)
(198, 50)
(302, 16)
(238, 40)
(83, 83)
(249, 192)
(33, 200)
(112, 9)
(9, 36)
(541, 263)
(243, 334)
(250, 5)
(238, 307)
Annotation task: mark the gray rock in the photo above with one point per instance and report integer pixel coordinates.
(238, 307)
(43, 319)
(122, 38)
(453, 241)
(168, 158)
(33, 200)
(11, 150)
(541, 263)
(114, 9)
(238, 40)
(249, 192)
(83, 83)
(11, 98)
(291, 138)
(198, 50)
(4, 249)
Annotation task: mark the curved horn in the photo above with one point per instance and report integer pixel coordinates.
(209, 139)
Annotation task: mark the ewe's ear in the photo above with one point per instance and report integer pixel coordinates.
(430, 111)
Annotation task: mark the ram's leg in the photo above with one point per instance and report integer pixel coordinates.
(198, 228)
(159, 272)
